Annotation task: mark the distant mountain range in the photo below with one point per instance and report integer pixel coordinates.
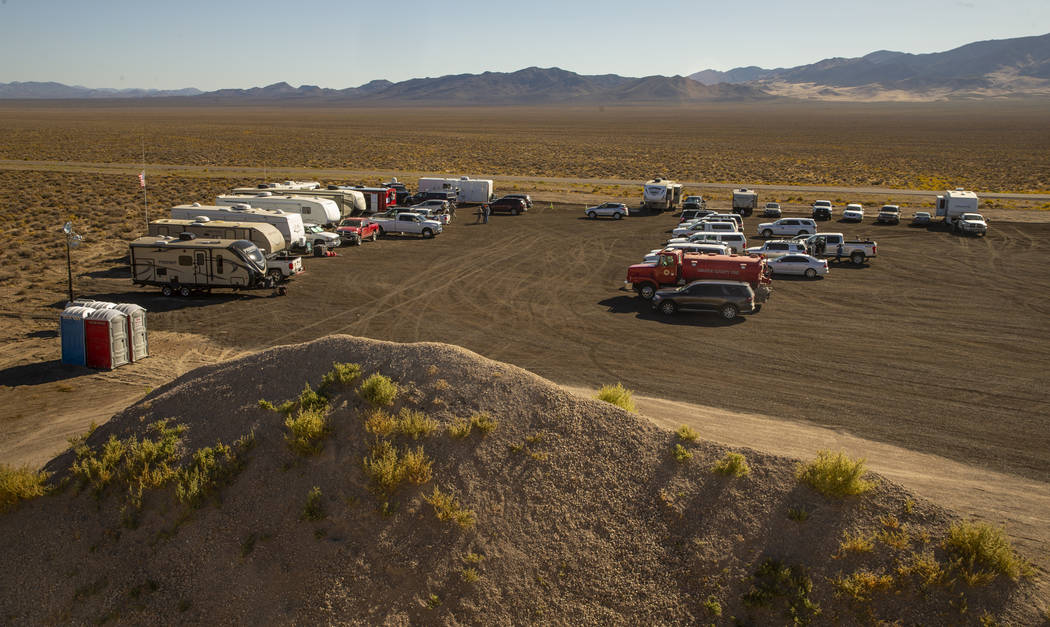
(989, 69)
(1005, 67)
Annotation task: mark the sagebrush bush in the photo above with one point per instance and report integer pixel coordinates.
(20, 484)
(134, 463)
(616, 395)
(210, 468)
(834, 474)
(447, 507)
(306, 430)
(862, 585)
(856, 543)
(687, 434)
(681, 454)
(981, 552)
(732, 465)
(415, 424)
(387, 470)
(460, 428)
(378, 390)
(484, 422)
(341, 374)
(314, 507)
(379, 422)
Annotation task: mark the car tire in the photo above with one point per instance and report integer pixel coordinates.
(767, 233)
(647, 291)
(184, 291)
(811, 273)
(728, 311)
(381, 232)
(515, 211)
(668, 308)
(617, 216)
(592, 215)
(166, 290)
(427, 234)
(857, 258)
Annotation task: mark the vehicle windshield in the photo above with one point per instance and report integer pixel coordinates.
(351, 222)
(251, 253)
(312, 228)
(972, 216)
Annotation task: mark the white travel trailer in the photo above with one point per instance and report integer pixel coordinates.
(661, 194)
(954, 203)
(350, 201)
(289, 186)
(289, 224)
(321, 211)
(470, 190)
(180, 265)
(265, 236)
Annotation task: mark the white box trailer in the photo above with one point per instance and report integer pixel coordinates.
(745, 201)
(954, 203)
(350, 201)
(180, 265)
(661, 194)
(289, 224)
(470, 190)
(320, 211)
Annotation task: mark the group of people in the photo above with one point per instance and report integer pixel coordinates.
(483, 214)
(820, 247)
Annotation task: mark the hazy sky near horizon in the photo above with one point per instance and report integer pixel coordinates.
(215, 44)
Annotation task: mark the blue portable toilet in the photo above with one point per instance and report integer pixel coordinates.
(71, 329)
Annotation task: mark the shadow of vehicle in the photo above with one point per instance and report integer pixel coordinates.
(41, 372)
(796, 277)
(154, 301)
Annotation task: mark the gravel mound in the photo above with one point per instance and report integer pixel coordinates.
(581, 515)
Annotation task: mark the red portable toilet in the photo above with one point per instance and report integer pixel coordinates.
(106, 338)
(138, 346)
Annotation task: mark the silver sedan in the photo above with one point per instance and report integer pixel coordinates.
(801, 265)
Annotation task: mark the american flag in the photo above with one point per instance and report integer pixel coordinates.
(142, 179)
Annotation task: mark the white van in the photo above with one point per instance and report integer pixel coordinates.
(313, 210)
(289, 224)
(737, 242)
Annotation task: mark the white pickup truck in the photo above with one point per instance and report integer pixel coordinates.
(283, 265)
(407, 223)
(827, 245)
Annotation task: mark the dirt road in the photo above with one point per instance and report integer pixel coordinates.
(332, 174)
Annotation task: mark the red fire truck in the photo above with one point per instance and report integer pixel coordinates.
(675, 267)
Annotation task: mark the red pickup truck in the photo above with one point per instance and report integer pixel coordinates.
(356, 230)
(675, 267)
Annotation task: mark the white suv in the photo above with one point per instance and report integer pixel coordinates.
(787, 226)
(778, 248)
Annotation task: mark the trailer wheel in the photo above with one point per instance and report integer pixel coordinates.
(276, 275)
(166, 290)
(729, 311)
(647, 291)
(811, 273)
(668, 308)
(184, 291)
(427, 234)
(857, 257)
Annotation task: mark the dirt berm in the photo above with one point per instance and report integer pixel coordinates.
(581, 515)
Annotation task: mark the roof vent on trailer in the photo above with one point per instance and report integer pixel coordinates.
(196, 204)
(199, 219)
(240, 206)
(264, 194)
(185, 237)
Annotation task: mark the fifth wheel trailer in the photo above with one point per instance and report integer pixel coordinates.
(320, 211)
(350, 201)
(661, 194)
(470, 190)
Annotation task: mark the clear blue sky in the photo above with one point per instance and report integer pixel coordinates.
(235, 43)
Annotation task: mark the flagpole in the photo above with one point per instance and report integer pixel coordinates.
(145, 203)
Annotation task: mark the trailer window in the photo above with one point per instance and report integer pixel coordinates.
(200, 259)
(218, 264)
(305, 209)
(185, 260)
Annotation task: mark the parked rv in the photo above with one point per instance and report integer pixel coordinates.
(320, 211)
(661, 194)
(474, 191)
(289, 224)
(745, 201)
(954, 203)
(279, 263)
(350, 201)
(184, 264)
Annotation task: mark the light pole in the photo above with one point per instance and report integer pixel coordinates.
(73, 240)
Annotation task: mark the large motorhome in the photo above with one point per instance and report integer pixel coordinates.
(183, 264)
(661, 194)
(470, 190)
(320, 211)
(265, 236)
(350, 201)
(289, 224)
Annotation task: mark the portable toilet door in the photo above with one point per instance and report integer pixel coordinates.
(71, 330)
(138, 345)
(106, 338)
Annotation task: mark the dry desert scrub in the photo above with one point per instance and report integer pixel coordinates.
(981, 552)
(616, 395)
(686, 434)
(378, 390)
(732, 465)
(834, 475)
(447, 508)
(20, 484)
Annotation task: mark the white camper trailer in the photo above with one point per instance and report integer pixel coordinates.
(184, 264)
(745, 201)
(265, 236)
(320, 211)
(661, 194)
(470, 190)
(350, 201)
(289, 224)
(286, 186)
(954, 203)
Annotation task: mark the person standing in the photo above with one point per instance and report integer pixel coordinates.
(838, 253)
(485, 214)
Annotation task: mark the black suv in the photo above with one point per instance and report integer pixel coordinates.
(728, 298)
(821, 213)
(448, 195)
(509, 204)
